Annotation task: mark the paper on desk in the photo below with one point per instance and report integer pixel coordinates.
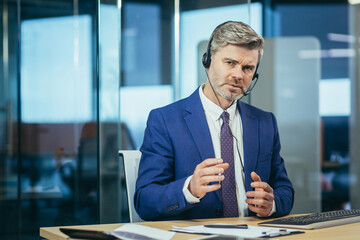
(140, 232)
(250, 232)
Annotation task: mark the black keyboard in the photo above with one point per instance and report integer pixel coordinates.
(317, 220)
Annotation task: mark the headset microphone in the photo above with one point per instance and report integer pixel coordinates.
(253, 82)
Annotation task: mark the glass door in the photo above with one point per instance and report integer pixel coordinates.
(9, 122)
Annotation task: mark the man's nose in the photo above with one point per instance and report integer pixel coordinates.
(238, 73)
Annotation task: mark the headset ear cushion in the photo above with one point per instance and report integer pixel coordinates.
(205, 60)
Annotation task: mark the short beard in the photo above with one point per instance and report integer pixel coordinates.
(229, 97)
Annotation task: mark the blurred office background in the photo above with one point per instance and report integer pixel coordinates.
(79, 77)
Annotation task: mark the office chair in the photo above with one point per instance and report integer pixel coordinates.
(131, 164)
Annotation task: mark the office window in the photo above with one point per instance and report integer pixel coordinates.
(56, 64)
(141, 38)
(146, 65)
(335, 97)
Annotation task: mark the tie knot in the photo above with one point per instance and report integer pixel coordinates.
(225, 117)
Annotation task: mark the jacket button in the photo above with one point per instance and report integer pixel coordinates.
(218, 212)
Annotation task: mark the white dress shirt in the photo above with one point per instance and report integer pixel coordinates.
(213, 113)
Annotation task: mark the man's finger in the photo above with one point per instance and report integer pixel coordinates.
(209, 179)
(259, 202)
(212, 161)
(255, 177)
(216, 169)
(263, 185)
(211, 188)
(263, 212)
(260, 195)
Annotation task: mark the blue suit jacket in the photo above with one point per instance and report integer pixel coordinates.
(177, 138)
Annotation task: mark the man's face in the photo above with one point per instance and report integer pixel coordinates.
(231, 70)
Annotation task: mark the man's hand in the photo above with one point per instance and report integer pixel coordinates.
(262, 198)
(209, 170)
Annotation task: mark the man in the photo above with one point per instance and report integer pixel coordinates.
(211, 155)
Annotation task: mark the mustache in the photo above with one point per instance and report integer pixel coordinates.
(238, 83)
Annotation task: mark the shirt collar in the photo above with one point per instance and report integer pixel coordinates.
(214, 110)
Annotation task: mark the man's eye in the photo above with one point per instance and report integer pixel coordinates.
(248, 68)
(229, 62)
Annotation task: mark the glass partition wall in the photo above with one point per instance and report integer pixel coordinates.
(312, 52)
(78, 79)
(59, 114)
(354, 122)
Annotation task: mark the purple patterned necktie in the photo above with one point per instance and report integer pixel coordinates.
(227, 154)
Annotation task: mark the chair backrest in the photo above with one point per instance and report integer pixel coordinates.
(131, 165)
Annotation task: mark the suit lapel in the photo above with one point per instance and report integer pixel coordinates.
(197, 124)
(196, 121)
(250, 140)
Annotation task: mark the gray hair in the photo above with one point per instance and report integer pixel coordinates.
(237, 33)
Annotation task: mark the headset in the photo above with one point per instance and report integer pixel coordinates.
(206, 61)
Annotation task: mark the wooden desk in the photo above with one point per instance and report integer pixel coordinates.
(348, 231)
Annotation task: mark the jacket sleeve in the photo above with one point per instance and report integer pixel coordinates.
(158, 194)
(279, 181)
